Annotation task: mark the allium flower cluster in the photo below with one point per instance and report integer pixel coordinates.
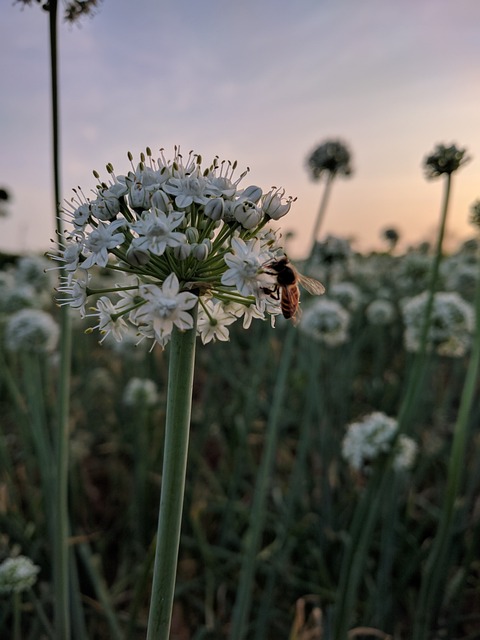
(444, 160)
(326, 321)
(31, 330)
(475, 213)
(365, 441)
(333, 157)
(380, 312)
(176, 234)
(140, 391)
(348, 294)
(451, 326)
(17, 574)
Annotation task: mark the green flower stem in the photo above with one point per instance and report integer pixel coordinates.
(419, 366)
(321, 211)
(177, 431)
(435, 565)
(244, 596)
(16, 615)
(60, 518)
(368, 510)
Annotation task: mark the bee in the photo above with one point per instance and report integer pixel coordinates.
(286, 286)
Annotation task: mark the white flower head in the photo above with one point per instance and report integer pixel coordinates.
(140, 392)
(367, 439)
(17, 574)
(326, 321)
(31, 330)
(171, 233)
(451, 327)
(380, 312)
(375, 435)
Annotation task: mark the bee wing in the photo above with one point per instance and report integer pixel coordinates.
(313, 286)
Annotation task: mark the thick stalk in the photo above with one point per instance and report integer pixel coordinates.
(60, 519)
(177, 431)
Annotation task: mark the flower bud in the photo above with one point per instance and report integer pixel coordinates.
(201, 251)
(251, 193)
(192, 235)
(137, 257)
(214, 208)
(139, 196)
(161, 201)
(247, 214)
(182, 251)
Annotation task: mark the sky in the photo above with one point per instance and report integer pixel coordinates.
(262, 82)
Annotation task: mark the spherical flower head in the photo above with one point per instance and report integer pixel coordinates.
(140, 392)
(412, 273)
(368, 439)
(348, 294)
(333, 157)
(326, 321)
(332, 250)
(32, 271)
(174, 234)
(444, 160)
(18, 297)
(475, 213)
(391, 235)
(17, 574)
(31, 330)
(380, 313)
(451, 326)
(405, 453)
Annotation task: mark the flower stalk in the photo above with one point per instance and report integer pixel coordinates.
(177, 430)
(435, 564)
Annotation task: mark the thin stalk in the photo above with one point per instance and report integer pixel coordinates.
(419, 365)
(435, 564)
(101, 591)
(16, 615)
(177, 431)
(244, 596)
(60, 519)
(367, 511)
(321, 211)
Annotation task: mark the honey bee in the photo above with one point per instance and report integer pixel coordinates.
(286, 287)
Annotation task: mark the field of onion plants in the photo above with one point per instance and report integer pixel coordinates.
(332, 478)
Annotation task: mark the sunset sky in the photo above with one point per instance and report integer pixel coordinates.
(258, 81)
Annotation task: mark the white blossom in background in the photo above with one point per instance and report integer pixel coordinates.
(380, 312)
(373, 436)
(31, 330)
(348, 294)
(326, 321)
(173, 233)
(17, 574)
(405, 453)
(140, 391)
(451, 327)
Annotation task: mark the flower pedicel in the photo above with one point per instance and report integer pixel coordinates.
(176, 234)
